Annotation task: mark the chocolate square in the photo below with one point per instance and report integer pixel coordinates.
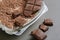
(29, 7)
(38, 2)
(31, 1)
(48, 22)
(43, 27)
(38, 34)
(20, 21)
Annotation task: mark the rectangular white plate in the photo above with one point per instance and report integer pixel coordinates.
(40, 13)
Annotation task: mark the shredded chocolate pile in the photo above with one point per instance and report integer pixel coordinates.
(13, 13)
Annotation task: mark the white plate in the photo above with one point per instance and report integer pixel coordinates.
(40, 13)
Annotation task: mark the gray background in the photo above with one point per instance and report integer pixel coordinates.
(53, 33)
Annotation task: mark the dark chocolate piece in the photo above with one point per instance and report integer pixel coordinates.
(48, 22)
(38, 34)
(43, 27)
(20, 21)
(32, 6)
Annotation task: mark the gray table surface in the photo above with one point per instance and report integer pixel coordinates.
(53, 33)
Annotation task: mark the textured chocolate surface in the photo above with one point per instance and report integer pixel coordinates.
(38, 34)
(32, 6)
(43, 27)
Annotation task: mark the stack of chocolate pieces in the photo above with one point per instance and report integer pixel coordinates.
(15, 13)
(39, 34)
